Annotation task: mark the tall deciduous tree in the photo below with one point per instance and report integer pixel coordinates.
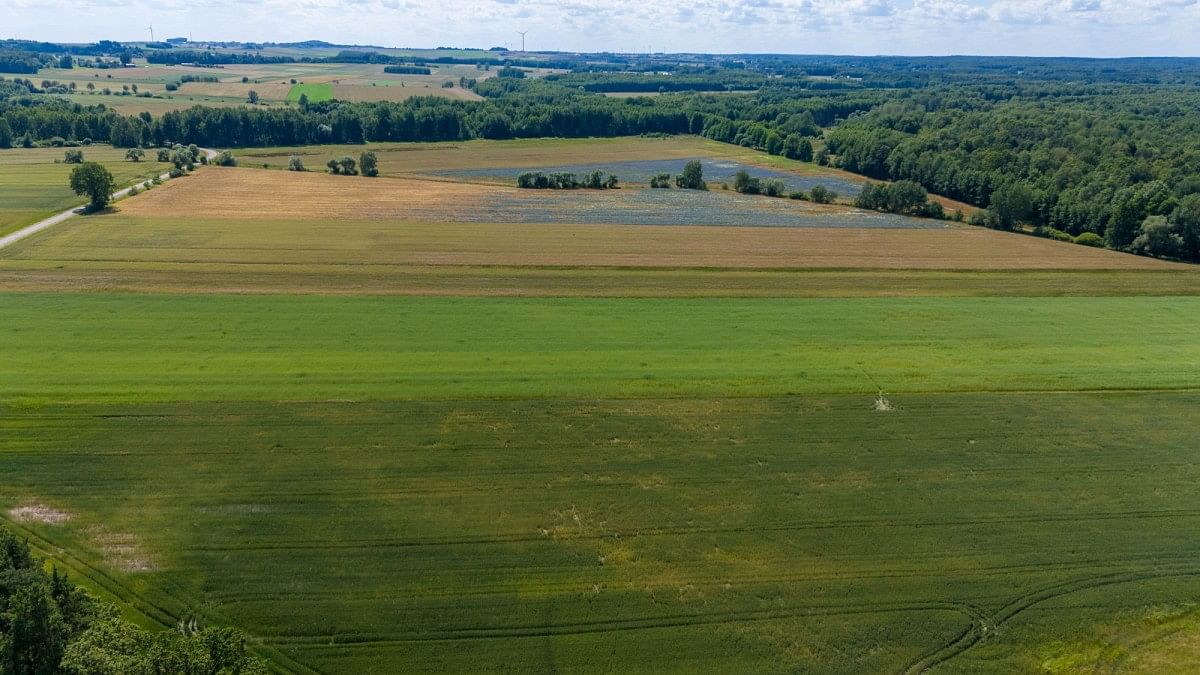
(94, 181)
(368, 164)
(1011, 204)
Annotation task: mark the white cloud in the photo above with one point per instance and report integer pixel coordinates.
(1043, 27)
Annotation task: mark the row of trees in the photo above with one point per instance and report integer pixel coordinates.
(903, 197)
(594, 180)
(692, 178)
(50, 625)
(367, 165)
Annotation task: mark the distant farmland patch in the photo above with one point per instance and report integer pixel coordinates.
(276, 232)
(315, 92)
(290, 195)
(34, 185)
(266, 91)
(393, 91)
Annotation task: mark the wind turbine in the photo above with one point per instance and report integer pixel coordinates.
(152, 32)
(522, 34)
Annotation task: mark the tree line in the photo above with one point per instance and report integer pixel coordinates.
(1121, 165)
(50, 625)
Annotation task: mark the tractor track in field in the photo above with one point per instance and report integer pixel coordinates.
(980, 630)
(519, 537)
(682, 620)
(46, 223)
(154, 612)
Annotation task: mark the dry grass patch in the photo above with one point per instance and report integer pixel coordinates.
(395, 92)
(235, 193)
(35, 512)
(122, 551)
(268, 91)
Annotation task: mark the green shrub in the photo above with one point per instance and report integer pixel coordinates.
(1057, 235)
(1090, 239)
(822, 195)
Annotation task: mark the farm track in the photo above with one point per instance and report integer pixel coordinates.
(625, 625)
(58, 218)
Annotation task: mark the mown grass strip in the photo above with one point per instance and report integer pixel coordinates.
(220, 347)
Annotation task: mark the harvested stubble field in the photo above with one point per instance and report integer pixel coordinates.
(329, 234)
(33, 186)
(294, 195)
(237, 90)
(42, 275)
(394, 91)
(400, 159)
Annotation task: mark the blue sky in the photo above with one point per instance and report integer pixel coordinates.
(1023, 27)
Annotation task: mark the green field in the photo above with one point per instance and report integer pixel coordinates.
(382, 444)
(450, 481)
(153, 348)
(33, 186)
(770, 534)
(315, 92)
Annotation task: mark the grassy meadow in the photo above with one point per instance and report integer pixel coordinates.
(314, 92)
(381, 432)
(33, 185)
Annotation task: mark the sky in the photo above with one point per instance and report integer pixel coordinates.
(910, 27)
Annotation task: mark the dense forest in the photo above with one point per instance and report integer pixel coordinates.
(1103, 150)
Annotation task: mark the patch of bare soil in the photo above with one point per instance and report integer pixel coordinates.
(35, 512)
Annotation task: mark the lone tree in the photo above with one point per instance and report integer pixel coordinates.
(73, 157)
(368, 164)
(692, 177)
(252, 97)
(135, 154)
(295, 163)
(95, 181)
